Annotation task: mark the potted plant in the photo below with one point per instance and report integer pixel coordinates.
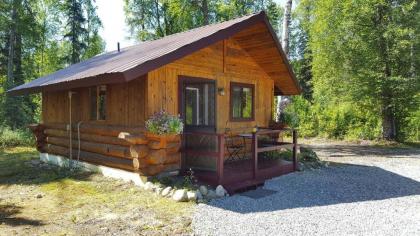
(164, 128)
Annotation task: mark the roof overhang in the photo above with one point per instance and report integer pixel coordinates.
(154, 63)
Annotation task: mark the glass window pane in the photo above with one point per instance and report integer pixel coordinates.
(247, 103)
(242, 101)
(200, 104)
(191, 106)
(237, 107)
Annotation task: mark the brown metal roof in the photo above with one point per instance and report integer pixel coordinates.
(134, 61)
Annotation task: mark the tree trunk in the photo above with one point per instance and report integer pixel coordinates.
(387, 109)
(286, 24)
(205, 11)
(388, 124)
(12, 40)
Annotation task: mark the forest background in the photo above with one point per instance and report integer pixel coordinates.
(357, 61)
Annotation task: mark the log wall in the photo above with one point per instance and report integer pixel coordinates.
(119, 140)
(125, 105)
(130, 104)
(115, 146)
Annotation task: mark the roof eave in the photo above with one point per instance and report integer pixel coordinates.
(108, 78)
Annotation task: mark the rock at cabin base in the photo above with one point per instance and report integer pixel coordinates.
(158, 190)
(199, 195)
(180, 195)
(301, 166)
(35, 162)
(166, 191)
(203, 190)
(171, 193)
(220, 191)
(192, 196)
(148, 186)
(211, 195)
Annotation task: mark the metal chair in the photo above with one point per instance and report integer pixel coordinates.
(235, 146)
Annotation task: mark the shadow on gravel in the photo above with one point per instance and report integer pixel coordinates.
(363, 150)
(8, 216)
(328, 186)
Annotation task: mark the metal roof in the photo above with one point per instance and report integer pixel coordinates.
(135, 61)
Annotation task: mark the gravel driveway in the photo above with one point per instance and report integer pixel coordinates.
(365, 191)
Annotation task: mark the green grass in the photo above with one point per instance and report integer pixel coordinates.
(73, 198)
(12, 161)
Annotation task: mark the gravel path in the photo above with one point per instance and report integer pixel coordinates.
(366, 191)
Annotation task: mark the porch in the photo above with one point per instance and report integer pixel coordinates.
(210, 157)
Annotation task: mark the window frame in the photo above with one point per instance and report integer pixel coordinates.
(242, 85)
(184, 79)
(97, 91)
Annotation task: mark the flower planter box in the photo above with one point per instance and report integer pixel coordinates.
(162, 141)
(163, 155)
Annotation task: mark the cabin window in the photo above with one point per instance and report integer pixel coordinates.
(199, 104)
(98, 102)
(241, 102)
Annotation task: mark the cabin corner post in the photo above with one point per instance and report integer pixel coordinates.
(40, 137)
(295, 161)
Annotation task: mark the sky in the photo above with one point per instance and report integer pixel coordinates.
(114, 30)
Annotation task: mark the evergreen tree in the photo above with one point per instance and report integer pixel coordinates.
(152, 19)
(76, 33)
(362, 55)
(19, 35)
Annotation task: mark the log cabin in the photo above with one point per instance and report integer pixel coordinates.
(221, 77)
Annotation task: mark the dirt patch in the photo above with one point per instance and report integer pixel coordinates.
(40, 199)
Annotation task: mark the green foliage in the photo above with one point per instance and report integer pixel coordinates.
(339, 121)
(152, 19)
(13, 138)
(305, 155)
(32, 45)
(164, 123)
(362, 81)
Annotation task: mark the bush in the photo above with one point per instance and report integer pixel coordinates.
(164, 123)
(13, 138)
(343, 120)
(308, 155)
(305, 155)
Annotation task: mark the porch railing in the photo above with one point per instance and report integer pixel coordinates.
(215, 149)
(218, 154)
(274, 146)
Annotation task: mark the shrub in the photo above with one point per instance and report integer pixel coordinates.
(13, 138)
(164, 123)
(305, 155)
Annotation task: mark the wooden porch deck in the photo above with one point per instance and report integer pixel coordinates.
(245, 173)
(240, 174)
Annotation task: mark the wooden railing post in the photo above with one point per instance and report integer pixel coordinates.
(295, 161)
(255, 153)
(221, 158)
